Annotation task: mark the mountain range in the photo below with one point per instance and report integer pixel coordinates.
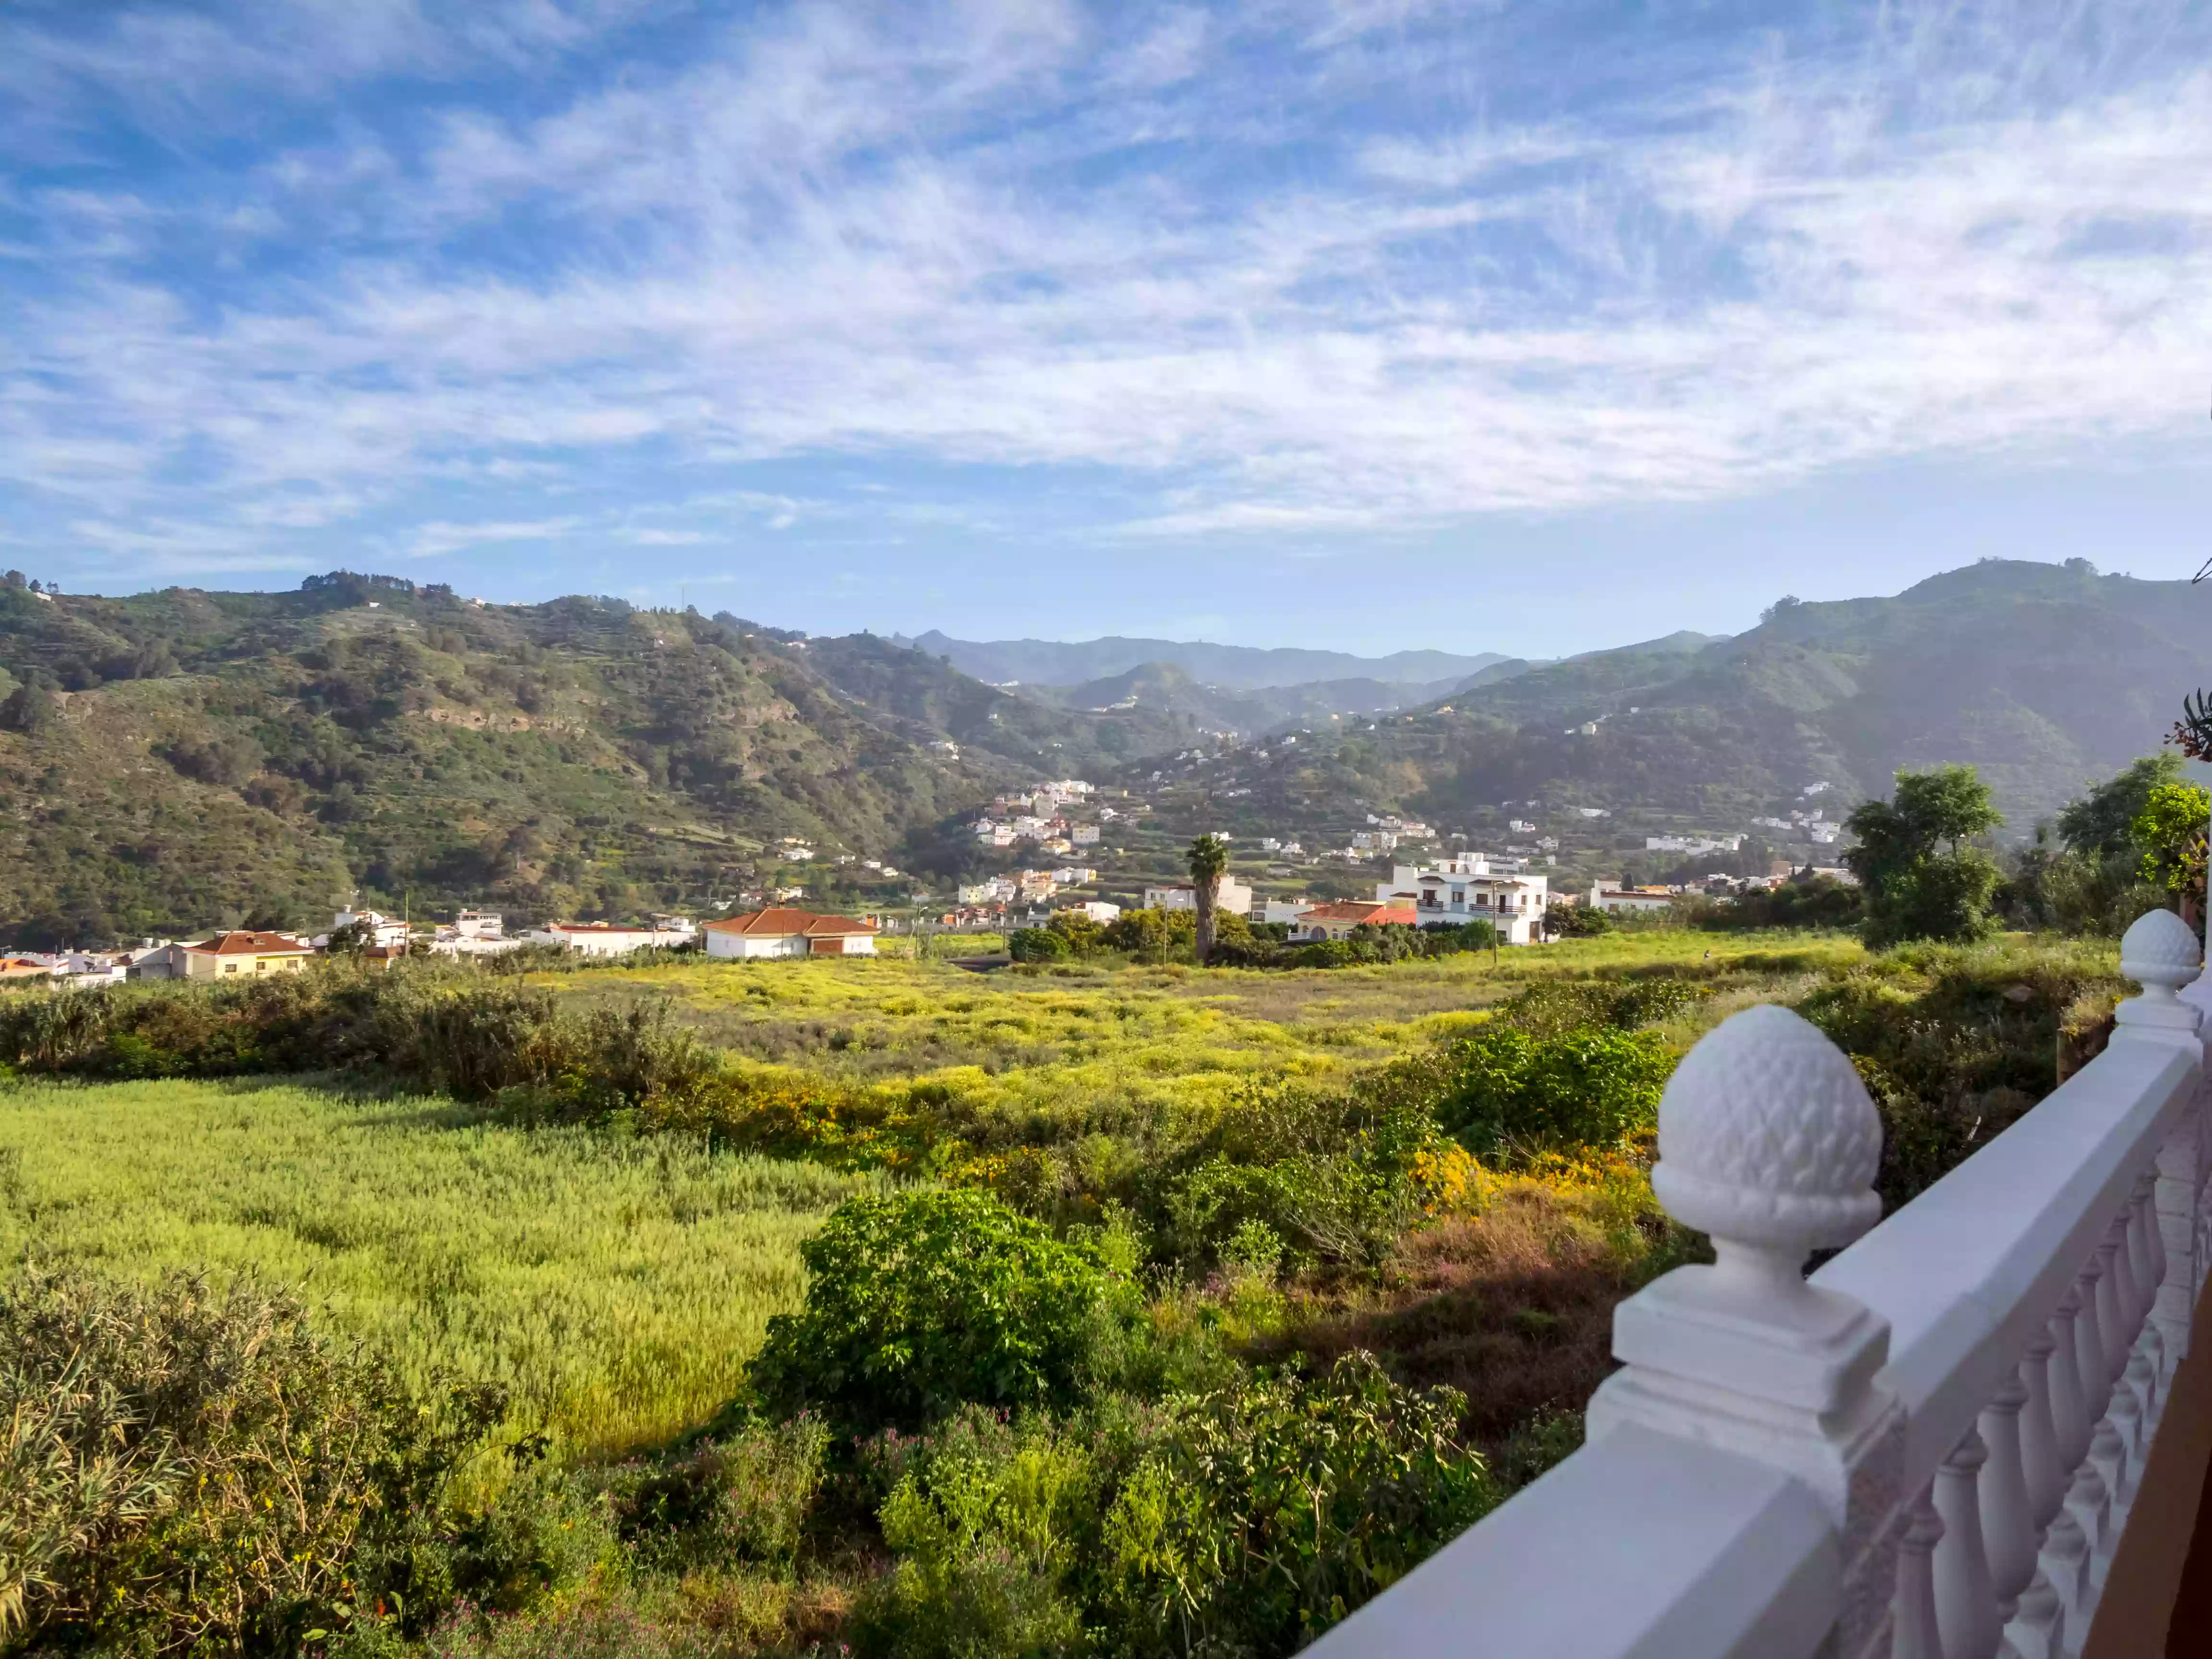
(1228, 667)
(2044, 677)
(174, 759)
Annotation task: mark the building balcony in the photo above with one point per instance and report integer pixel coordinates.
(1979, 1431)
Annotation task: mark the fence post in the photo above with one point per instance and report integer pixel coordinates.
(1768, 1143)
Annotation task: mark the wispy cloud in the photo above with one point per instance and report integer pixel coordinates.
(1043, 237)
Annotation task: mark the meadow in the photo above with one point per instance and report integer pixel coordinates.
(1051, 1033)
(614, 1285)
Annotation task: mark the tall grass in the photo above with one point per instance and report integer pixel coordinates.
(616, 1286)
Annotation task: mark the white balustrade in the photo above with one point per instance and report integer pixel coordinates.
(1930, 1447)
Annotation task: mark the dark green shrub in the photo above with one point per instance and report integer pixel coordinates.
(745, 1497)
(201, 1470)
(1038, 944)
(1271, 1510)
(1507, 1095)
(1577, 922)
(920, 1303)
(1244, 1520)
(990, 1526)
(1555, 1007)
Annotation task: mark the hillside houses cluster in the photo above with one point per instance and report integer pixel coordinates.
(256, 952)
(1041, 816)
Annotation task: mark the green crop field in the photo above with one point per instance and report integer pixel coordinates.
(617, 1286)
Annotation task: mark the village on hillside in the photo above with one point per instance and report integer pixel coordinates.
(1098, 852)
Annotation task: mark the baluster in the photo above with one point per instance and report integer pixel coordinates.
(1965, 1597)
(2066, 1568)
(2113, 1295)
(2141, 1225)
(1917, 1634)
(2090, 1347)
(2091, 1506)
(2039, 1631)
(2009, 1530)
(2140, 1382)
(2069, 1398)
(2043, 1471)
(2108, 1455)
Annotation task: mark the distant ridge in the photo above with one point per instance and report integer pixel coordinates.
(1231, 667)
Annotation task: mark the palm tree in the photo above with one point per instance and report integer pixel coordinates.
(1209, 858)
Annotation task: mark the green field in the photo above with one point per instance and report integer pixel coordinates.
(1046, 1036)
(615, 1268)
(617, 1286)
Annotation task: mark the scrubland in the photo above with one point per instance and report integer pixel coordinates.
(1221, 1221)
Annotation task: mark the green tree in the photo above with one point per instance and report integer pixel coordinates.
(2103, 822)
(1209, 859)
(2170, 829)
(1914, 888)
(920, 1303)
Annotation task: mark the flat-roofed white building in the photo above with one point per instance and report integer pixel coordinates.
(598, 939)
(1629, 900)
(1472, 889)
(1230, 894)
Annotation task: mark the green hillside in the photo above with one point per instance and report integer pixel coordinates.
(2044, 676)
(178, 759)
(1162, 688)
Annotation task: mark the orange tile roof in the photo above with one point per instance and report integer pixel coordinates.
(244, 942)
(1356, 910)
(782, 922)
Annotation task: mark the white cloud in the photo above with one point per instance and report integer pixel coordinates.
(922, 233)
(437, 538)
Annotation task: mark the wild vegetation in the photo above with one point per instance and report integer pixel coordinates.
(741, 1309)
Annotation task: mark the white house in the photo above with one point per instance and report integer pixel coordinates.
(479, 924)
(1230, 894)
(1464, 890)
(597, 939)
(1099, 910)
(1336, 920)
(1628, 900)
(789, 933)
(382, 930)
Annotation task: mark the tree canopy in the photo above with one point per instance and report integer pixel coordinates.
(1914, 889)
(2103, 822)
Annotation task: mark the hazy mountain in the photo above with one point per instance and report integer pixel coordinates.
(1232, 667)
(2045, 676)
(1164, 688)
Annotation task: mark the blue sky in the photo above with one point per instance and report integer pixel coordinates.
(1360, 323)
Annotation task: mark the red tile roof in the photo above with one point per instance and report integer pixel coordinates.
(782, 922)
(243, 942)
(1358, 910)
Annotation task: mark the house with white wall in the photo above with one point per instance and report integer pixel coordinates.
(1472, 889)
(789, 933)
(597, 939)
(1629, 900)
(1229, 894)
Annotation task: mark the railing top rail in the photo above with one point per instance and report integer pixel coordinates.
(1639, 1544)
(1968, 1270)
